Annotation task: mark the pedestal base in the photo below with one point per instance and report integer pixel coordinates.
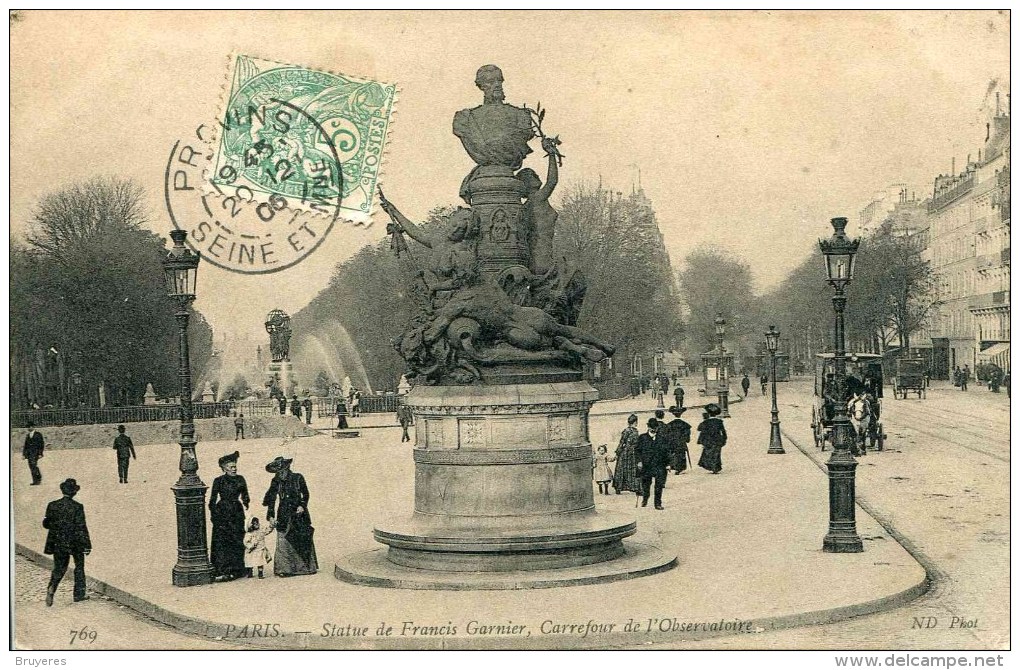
(502, 487)
(506, 544)
(373, 568)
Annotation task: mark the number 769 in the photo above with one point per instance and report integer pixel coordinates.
(85, 635)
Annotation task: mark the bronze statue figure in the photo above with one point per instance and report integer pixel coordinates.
(497, 297)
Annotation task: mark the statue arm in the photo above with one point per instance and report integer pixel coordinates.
(551, 180)
(409, 227)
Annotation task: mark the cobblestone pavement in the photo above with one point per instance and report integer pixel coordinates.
(113, 625)
(943, 485)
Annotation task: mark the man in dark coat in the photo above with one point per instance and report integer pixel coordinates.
(653, 457)
(125, 450)
(33, 451)
(283, 405)
(745, 384)
(68, 537)
(295, 407)
(307, 404)
(678, 395)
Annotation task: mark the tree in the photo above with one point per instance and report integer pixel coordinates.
(713, 281)
(88, 286)
(615, 242)
(890, 298)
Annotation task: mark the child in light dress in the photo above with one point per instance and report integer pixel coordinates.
(601, 472)
(256, 555)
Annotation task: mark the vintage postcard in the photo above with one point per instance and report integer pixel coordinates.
(511, 330)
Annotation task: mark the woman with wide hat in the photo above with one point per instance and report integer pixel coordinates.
(712, 438)
(227, 503)
(295, 548)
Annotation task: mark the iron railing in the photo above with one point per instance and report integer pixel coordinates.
(134, 414)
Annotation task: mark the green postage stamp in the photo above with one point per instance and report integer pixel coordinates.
(302, 139)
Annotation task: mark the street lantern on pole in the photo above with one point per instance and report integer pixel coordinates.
(723, 390)
(180, 271)
(840, 252)
(775, 438)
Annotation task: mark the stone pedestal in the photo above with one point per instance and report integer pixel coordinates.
(503, 485)
(495, 195)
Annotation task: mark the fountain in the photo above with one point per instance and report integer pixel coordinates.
(503, 494)
(328, 348)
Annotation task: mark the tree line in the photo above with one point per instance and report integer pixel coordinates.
(890, 299)
(88, 307)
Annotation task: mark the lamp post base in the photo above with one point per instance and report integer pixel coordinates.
(724, 403)
(193, 568)
(842, 537)
(775, 438)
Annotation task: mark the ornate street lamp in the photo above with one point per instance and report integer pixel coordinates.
(723, 390)
(775, 438)
(839, 252)
(180, 270)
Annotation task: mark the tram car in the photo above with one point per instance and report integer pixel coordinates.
(863, 371)
(910, 378)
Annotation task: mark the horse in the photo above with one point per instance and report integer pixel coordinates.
(861, 416)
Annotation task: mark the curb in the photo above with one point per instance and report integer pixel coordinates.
(618, 640)
(935, 575)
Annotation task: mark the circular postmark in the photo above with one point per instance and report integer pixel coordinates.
(239, 226)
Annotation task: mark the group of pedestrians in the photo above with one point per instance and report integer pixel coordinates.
(238, 549)
(643, 460)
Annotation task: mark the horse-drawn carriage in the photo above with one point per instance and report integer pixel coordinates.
(862, 395)
(910, 378)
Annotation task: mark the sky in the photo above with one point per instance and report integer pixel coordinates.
(750, 130)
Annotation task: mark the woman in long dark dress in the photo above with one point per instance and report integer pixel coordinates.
(227, 503)
(712, 438)
(625, 477)
(295, 548)
(341, 414)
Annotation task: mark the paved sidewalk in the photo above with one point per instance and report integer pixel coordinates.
(748, 540)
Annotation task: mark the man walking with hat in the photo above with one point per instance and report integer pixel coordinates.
(33, 451)
(125, 451)
(653, 456)
(68, 537)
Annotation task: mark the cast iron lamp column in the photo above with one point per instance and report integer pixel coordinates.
(180, 270)
(839, 252)
(723, 390)
(775, 438)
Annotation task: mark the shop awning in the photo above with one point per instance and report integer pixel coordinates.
(995, 350)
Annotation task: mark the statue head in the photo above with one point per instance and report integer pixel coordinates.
(463, 224)
(532, 182)
(489, 78)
